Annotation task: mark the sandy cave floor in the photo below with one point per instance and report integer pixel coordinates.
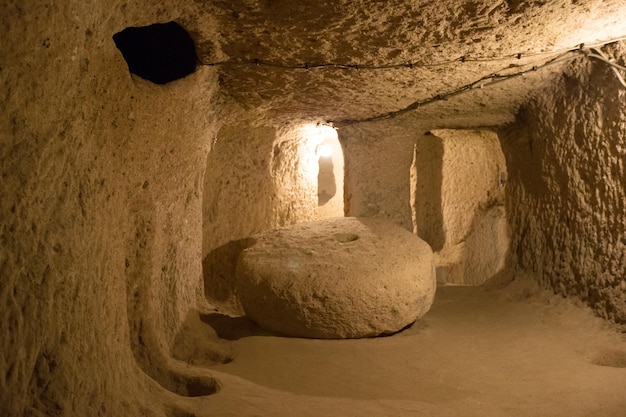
(517, 351)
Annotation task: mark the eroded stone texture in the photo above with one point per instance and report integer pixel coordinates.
(473, 175)
(256, 178)
(102, 173)
(99, 211)
(567, 189)
(377, 163)
(371, 33)
(336, 278)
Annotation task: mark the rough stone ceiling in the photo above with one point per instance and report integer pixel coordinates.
(380, 33)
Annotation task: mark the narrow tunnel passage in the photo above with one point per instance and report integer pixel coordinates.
(330, 175)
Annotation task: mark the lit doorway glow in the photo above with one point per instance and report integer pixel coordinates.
(330, 174)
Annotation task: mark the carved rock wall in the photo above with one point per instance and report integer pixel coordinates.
(377, 168)
(474, 229)
(100, 210)
(567, 189)
(256, 178)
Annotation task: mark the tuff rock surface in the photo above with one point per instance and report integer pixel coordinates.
(114, 189)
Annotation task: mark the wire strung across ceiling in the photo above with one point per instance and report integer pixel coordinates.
(485, 81)
(416, 64)
(589, 50)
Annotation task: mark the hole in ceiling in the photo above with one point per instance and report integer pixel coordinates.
(161, 53)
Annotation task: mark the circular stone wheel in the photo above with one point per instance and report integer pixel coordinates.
(336, 278)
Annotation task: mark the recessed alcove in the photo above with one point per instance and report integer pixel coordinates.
(492, 130)
(462, 213)
(161, 52)
(330, 174)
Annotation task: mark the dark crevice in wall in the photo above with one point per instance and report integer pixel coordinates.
(161, 53)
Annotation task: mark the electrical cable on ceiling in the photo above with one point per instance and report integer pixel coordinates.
(488, 80)
(482, 82)
(597, 54)
(411, 65)
(590, 51)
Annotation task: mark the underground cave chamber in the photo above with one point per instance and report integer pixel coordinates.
(128, 200)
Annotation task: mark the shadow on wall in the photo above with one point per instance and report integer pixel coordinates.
(237, 203)
(457, 199)
(219, 270)
(426, 184)
(256, 178)
(198, 343)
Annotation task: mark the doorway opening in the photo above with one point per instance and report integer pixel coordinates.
(330, 174)
(458, 179)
